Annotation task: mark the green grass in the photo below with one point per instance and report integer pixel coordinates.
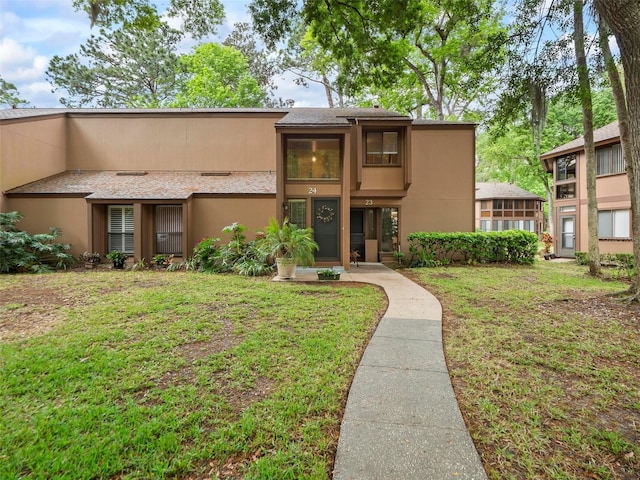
(546, 368)
(154, 375)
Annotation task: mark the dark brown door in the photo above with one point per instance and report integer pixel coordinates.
(326, 228)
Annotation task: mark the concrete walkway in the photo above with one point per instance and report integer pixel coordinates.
(402, 419)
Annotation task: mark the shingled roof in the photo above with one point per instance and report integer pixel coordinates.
(489, 191)
(600, 135)
(152, 185)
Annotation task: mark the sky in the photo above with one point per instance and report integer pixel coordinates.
(33, 31)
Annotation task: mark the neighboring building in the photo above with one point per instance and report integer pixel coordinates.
(159, 180)
(504, 206)
(568, 165)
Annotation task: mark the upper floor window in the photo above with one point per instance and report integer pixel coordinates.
(382, 148)
(609, 160)
(566, 167)
(614, 224)
(567, 190)
(515, 208)
(313, 158)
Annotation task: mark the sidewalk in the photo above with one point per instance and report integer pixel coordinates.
(402, 419)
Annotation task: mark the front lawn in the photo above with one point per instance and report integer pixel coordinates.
(546, 368)
(110, 374)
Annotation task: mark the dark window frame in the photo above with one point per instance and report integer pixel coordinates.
(386, 158)
(313, 139)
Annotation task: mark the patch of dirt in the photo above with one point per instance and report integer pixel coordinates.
(220, 341)
(26, 314)
(606, 308)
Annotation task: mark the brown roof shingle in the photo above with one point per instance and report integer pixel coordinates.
(488, 190)
(154, 185)
(608, 132)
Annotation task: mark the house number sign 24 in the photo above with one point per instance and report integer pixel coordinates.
(314, 190)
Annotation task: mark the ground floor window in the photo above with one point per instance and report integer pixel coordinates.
(527, 225)
(485, 225)
(120, 228)
(169, 229)
(614, 224)
(297, 212)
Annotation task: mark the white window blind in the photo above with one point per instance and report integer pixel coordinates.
(120, 228)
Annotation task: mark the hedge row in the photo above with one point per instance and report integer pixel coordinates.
(435, 249)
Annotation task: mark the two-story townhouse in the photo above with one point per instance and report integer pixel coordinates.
(505, 206)
(567, 163)
(159, 180)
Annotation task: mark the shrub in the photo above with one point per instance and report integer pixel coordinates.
(205, 254)
(434, 249)
(22, 252)
(622, 260)
(238, 255)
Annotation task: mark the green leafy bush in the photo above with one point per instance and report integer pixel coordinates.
(22, 252)
(430, 249)
(238, 255)
(622, 260)
(623, 264)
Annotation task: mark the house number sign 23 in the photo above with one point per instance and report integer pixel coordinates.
(368, 203)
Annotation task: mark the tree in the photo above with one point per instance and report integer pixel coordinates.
(9, 95)
(448, 47)
(310, 63)
(584, 85)
(508, 152)
(217, 76)
(261, 66)
(198, 17)
(623, 18)
(124, 68)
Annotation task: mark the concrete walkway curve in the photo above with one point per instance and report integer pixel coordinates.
(402, 420)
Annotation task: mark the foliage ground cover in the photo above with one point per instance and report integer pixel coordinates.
(545, 363)
(148, 374)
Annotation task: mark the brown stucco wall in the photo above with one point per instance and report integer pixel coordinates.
(442, 194)
(216, 142)
(30, 150)
(210, 215)
(70, 215)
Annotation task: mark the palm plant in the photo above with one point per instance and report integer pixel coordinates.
(288, 243)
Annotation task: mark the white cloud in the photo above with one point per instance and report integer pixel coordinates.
(19, 63)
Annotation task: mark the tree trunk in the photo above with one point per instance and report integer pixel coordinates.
(621, 107)
(587, 123)
(327, 90)
(623, 17)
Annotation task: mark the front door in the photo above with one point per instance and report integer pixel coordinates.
(567, 236)
(326, 228)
